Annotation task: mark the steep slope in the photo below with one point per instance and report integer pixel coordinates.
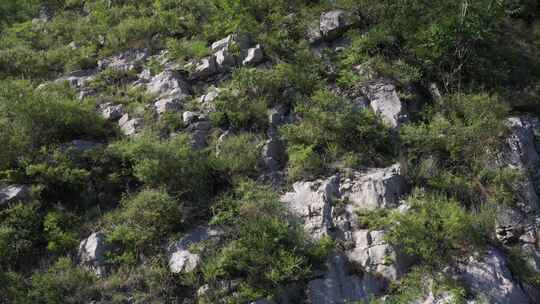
(263, 151)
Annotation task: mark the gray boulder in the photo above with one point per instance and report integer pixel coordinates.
(385, 102)
(127, 61)
(376, 256)
(375, 188)
(92, 253)
(14, 193)
(181, 259)
(224, 60)
(189, 117)
(340, 285)
(489, 276)
(167, 105)
(364, 190)
(241, 41)
(254, 56)
(78, 81)
(199, 133)
(206, 68)
(130, 126)
(522, 152)
(312, 202)
(273, 154)
(111, 111)
(277, 116)
(210, 96)
(169, 84)
(334, 23)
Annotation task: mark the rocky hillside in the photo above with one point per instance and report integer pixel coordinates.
(269, 151)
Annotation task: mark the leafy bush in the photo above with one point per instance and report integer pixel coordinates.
(239, 154)
(20, 234)
(335, 129)
(141, 223)
(12, 287)
(265, 247)
(522, 267)
(252, 91)
(304, 161)
(436, 230)
(421, 282)
(13, 11)
(173, 164)
(64, 282)
(184, 50)
(133, 33)
(441, 154)
(58, 227)
(446, 39)
(32, 119)
(151, 282)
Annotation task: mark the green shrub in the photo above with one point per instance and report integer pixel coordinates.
(13, 11)
(58, 227)
(304, 161)
(12, 287)
(239, 154)
(332, 127)
(522, 267)
(151, 282)
(183, 17)
(141, 223)
(436, 230)
(20, 234)
(445, 39)
(76, 179)
(173, 164)
(264, 247)
(63, 282)
(33, 119)
(133, 33)
(441, 154)
(421, 282)
(184, 50)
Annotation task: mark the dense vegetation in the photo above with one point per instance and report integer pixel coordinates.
(143, 191)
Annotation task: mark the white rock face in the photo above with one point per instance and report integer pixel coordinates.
(13, 193)
(126, 61)
(315, 204)
(110, 111)
(130, 126)
(224, 44)
(255, 55)
(376, 188)
(188, 117)
(181, 259)
(373, 253)
(334, 23)
(312, 201)
(340, 286)
(367, 190)
(242, 42)
(212, 94)
(169, 84)
(523, 153)
(206, 68)
(168, 105)
(224, 60)
(385, 102)
(92, 253)
(489, 276)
